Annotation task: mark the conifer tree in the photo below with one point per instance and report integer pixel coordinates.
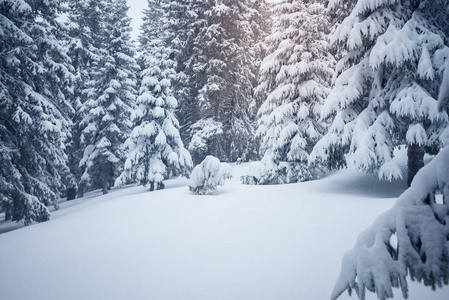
(84, 43)
(225, 40)
(183, 21)
(387, 84)
(155, 148)
(110, 97)
(34, 78)
(410, 239)
(295, 79)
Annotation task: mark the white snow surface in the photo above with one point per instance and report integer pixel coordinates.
(243, 242)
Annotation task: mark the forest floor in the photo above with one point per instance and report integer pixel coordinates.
(245, 242)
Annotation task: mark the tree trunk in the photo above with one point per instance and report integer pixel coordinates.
(214, 146)
(106, 178)
(71, 193)
(152, 186)
(229, 149)
(415, 154)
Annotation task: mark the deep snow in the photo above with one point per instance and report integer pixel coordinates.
(244, 242)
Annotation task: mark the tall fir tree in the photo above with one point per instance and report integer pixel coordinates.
(183, 21)
(110, 97)
(202, 37)
(410, 239)
(84, 44)
(387, 84)
(295, 79)
(34, 78)
(225, 56)
(155, 148)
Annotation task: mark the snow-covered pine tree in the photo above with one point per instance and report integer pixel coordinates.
(84, 43)
(257, 23)
(152, 24)
(295, 77)
(183, 20)
(387, 84)
(110, 98)
(409, 240)
(34, 76)
(261, 20)
(155, 148)
(225, 42)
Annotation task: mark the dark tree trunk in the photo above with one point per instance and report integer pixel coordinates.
(214, 146)
(415, 154)
(105, 187)
(17, 209)
(71, 193)
(229, 149)
(152, 186)
(106, 173)
(8, 216)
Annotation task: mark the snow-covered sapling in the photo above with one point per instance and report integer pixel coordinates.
(208, 175)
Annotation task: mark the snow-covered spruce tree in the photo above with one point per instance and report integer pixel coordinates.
(208, 175)
(155, 148)
(183, 22)
(224, 41)
(34, 76)
(411, 239)
(295, 77)
(110, 97)
(262, 22)
(84, 44)
(387, 83)
(152, 24)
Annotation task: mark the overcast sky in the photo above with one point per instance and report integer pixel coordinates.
(135, 12)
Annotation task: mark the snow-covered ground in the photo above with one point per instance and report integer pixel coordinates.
(242, 243)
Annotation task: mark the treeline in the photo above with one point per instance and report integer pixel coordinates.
(297, 84)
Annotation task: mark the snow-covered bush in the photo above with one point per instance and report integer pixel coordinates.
(257, 174)
(270, 172)
(208, 175)
(412, 238)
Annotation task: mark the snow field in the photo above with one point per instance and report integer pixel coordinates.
(244, 242)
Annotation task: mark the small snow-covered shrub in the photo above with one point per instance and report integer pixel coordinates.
(257, 174)
(269, 172)
(411, 239)
(206, 176)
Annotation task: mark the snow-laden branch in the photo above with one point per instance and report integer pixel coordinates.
(411, 239)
